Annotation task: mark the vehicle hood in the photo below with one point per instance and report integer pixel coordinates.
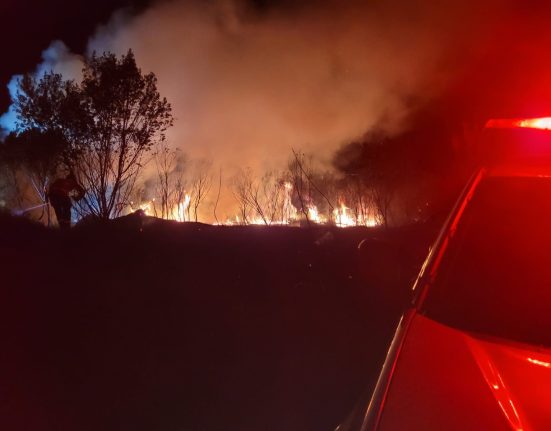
(453, 380)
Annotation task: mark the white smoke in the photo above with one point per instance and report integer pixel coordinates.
(56, 58)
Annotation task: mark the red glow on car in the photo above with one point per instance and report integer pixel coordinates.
(454, 223)
(494, 380)
(538, 362)
(543, 123)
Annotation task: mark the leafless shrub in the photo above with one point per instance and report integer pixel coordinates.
(170, 191)
(265, 199)
(200, 184)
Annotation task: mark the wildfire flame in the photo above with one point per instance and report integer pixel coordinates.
(314, 215)
(342, 216)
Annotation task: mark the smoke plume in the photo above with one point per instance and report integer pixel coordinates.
(56, 58)
(247, 84)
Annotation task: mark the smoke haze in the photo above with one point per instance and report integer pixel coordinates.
(248, 83)
(247, 86)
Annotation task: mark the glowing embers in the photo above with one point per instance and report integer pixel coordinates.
(542, 123)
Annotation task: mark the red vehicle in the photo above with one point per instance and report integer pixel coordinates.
(473, 352)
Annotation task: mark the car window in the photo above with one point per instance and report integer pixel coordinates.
(495, 277)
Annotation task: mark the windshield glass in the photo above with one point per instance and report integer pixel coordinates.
(495, 277)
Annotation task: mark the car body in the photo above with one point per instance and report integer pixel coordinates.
(473, 351)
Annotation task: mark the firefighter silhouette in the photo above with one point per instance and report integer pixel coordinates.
(59, 195)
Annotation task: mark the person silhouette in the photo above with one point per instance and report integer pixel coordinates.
(59, 195)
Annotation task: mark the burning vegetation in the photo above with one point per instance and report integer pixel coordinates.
(297, 196)
(265, 103)
(109, 132)
(283, 114)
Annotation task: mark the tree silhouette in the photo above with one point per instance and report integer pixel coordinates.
(110, 120)
(374, 169)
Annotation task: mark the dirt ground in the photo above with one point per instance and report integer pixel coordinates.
(142, 324)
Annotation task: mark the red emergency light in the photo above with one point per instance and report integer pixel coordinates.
(518, 142)
(542, 123)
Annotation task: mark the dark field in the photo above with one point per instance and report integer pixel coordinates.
(149, 325)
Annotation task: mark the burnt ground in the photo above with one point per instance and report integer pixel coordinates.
(141, 324)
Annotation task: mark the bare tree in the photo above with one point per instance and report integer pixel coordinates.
(200, 185)
(165, 159)
(170, 166)
(359, 199)
(383, 195)
(382, 164)
(275, 197)
(301, 186)
(218, 195)
(264, 198)
(305, 184)
(243, 189)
